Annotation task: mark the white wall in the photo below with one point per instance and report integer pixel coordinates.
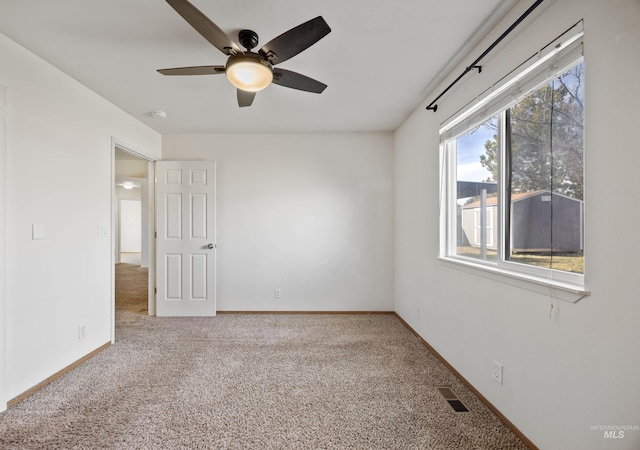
(581, 366)
(310, 214)
(59, 138)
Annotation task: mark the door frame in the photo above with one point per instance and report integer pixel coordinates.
(3, 248)
(150, 203)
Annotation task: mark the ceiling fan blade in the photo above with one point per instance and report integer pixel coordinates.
(245, 98)
(203, 25)
(196, 70)
(294, 41)
(298, 81)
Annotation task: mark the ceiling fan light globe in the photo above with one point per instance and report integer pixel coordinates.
(249, 72)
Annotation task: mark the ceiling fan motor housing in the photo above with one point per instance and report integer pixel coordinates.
(249, 57)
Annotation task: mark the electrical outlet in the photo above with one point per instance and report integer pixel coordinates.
(497, 372)
(82, 331)
(276, 293)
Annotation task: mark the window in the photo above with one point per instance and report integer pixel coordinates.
(514, 176)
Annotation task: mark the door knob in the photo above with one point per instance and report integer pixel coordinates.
(210, 246)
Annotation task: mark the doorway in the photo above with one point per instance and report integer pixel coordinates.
(132, 238)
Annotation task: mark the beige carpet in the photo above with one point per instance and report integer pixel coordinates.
(131, 288)
(255, 381)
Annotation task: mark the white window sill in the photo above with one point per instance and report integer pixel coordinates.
(562, 291)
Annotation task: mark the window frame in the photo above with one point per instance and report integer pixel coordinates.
(562, 53)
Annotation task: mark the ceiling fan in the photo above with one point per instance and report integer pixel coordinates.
(249, 71)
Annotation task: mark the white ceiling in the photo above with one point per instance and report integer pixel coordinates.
(379, 62)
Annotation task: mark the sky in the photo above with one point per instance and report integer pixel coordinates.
(469, 148)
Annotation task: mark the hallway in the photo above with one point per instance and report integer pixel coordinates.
(131, 285)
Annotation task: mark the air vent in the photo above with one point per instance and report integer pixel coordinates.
(453, 399)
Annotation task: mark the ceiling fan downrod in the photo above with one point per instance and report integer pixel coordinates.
(248, 39)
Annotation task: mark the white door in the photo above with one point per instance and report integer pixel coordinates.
(185, 241)
(130, 226)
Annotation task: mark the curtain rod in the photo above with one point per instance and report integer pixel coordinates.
(474, 65)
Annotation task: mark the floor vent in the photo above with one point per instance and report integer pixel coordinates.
(453, 400)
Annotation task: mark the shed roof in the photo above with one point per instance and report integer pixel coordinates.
(493, 201)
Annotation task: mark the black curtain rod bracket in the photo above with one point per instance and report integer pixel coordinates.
(474, 65)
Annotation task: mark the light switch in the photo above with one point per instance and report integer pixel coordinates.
(103, 231)
(37, 231)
